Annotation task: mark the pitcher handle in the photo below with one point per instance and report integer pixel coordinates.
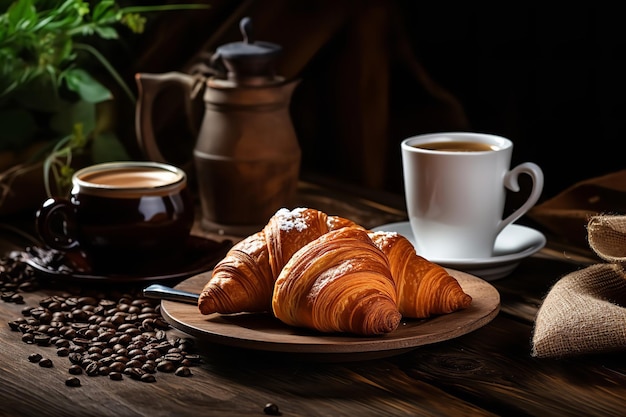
(144, 128)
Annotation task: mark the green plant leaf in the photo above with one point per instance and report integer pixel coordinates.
(104, 11)
(41, 53)
(106, 32)
(90, 90)
(21, 15)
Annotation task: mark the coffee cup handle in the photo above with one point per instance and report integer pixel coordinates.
(56, 224)
(511, 183)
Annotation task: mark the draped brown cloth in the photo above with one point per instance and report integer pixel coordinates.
(585, 311)
(362, 87)
(566, 215)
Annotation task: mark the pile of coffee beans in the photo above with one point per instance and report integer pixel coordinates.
(16, 277)
(116, 334)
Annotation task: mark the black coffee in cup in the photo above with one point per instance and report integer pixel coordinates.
(121, 211)
(457, 146)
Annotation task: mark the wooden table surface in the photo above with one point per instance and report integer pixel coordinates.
(487, 372)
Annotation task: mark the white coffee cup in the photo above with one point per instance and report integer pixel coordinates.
(455, 186)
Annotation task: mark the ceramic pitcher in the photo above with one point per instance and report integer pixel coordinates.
(246, 155)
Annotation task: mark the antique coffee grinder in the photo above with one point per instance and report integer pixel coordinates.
(246, 155)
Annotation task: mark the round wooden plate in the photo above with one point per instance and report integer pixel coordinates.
(264, 332)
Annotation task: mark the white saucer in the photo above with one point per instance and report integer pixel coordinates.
(514, 243)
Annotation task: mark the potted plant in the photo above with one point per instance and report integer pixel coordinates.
(52, 108)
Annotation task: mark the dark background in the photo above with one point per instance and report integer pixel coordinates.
(550, 78)
(374, 72)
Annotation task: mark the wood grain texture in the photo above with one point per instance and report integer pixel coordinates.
(263, 331)
(486, 372)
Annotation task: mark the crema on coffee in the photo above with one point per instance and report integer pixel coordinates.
(457, 146)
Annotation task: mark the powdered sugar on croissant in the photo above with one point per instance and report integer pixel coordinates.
(305, 264)
(243, 281)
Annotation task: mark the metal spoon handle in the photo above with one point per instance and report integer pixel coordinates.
(163, 292)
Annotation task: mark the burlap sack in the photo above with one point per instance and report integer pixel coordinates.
(585, 311)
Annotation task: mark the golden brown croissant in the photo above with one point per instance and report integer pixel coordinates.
(241, 281)
(424, 288)
(244, 280)
(340, 282)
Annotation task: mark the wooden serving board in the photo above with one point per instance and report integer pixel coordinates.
(262, 331)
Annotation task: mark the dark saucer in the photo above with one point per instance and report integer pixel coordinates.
(199, 255)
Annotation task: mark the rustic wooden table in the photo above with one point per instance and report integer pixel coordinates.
(486, 372)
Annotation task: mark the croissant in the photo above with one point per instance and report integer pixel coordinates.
(424, 288)
(243, 281)
(340, 282)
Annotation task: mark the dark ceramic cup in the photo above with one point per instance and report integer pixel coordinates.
(121, 211)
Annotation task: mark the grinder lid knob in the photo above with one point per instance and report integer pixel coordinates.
(250, 61)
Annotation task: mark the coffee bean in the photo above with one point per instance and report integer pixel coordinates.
(87, 301)
(271, 409)
(183, 371)
(166, 366)
(69, 333)
(75, 358)
(72, 382)
(81, 341)
(106, 360)
(46, 363)
(14, 325)
(106, 324)
(124, 326)
(34, 357)
(121, 358)
(125, 339)
(135, 351)
(75, 370)
(106, 336)
(77, 349)
(116, 376)
(6, 296)
(140, 358)
(98, 335)
(107, 303)
(41, 339)
(133, 331)
(149, 368)
(79, 315)
(93, 369)
(193, 358)
(16, 298)
(62, 343)
(133, 363)
(135, 373)
(147, 325)
(152, 354)
(93, 356)
(175, 358)
(117, 366)
(147, 378)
